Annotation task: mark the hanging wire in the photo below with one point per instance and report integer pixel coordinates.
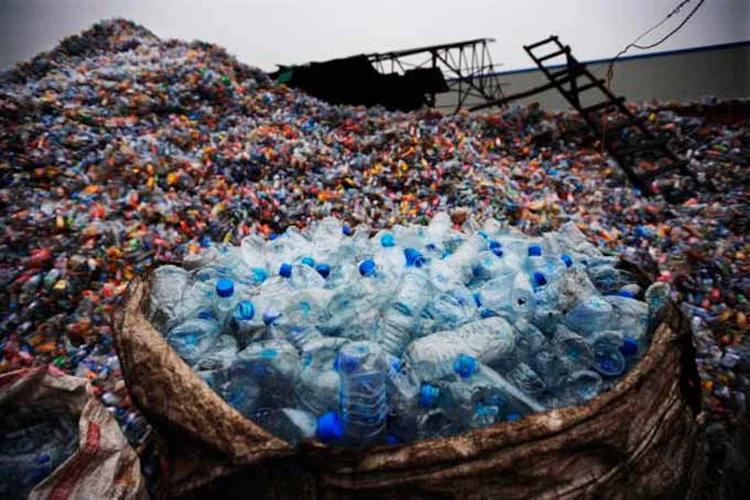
(634, 44)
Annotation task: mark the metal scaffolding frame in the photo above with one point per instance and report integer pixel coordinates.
(466, 66)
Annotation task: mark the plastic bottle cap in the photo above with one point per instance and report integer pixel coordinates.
(539, 278)
(512, 417)
(494, 244)
(329, 427)
(629, 347)
(259, 275)
(567, 260)
(224, 287)
(347, 364)
(308, 261)
(273, 236)
(396, 363)
(270, 316)
(205, 314)
(346, 229)
(367, 267)
(414, 258)
(269, 353)
(428, 395)
(498, 252)
(392, 440)
(465, 365)
(610, 364)
(431, 247)
(323, 269)
(245, 311)
(285, 270)
(535, 251)
(387, 240)
(626, 293)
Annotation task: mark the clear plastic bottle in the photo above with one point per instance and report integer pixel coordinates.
(290, 424)
(363, 393)
(263, 376)
(489, 340)
(192, 338)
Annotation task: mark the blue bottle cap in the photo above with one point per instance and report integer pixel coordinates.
(329, 427)
(483, 234)
(392, 440)
(245, 310)
(431, 247)
(498, 252)
(609, 364)
(259, 275)
(387, 240)
(269, 353)
(285, 270)
(535, 251)
(323, 269)
(567, 260)
(270, 315)
(478, 299)
(308, 261)
(367, 267)
(414, 257)
(224, 287)
(539, 279)
(626, 293)
(495, 244)
(512, 417)
(205, 314)
(487, 313)
(629, 347)
(273, 236)
(347, 230)
(465, 365)
(396, 363)
(428, 395)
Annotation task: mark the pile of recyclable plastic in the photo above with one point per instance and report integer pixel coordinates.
(413, 333)
(118, 149)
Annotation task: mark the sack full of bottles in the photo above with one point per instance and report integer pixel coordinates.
(354, 339)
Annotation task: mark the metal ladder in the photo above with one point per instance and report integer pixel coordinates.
(624, 151)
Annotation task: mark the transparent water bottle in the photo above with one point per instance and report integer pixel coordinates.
(290, 424)
(220, 355)
(263, 376)
(363, 393)
(590, 316)
(192, 338)
(168, 283)
(432, 357)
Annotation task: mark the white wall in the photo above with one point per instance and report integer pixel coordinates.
(688, 76)
(266, 32)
